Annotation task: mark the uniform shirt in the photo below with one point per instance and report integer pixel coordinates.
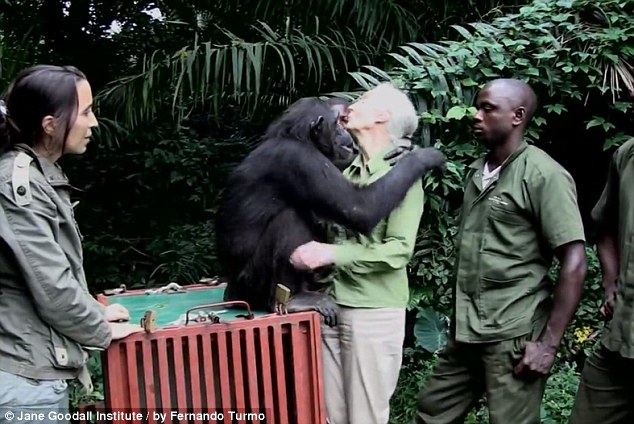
(505, 244)
(370, 271)
(615, 211)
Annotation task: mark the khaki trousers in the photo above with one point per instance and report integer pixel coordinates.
(464, 372)
(605, 390)
(362, 359)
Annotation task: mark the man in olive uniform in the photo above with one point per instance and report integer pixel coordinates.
(607, 380)
(519, 210)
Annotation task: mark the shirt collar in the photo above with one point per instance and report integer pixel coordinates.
(375, 164)
(479, 163)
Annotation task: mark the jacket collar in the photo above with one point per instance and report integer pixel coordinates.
(51, 171)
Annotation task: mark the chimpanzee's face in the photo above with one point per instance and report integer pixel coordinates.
(345, 149)
(332, 139)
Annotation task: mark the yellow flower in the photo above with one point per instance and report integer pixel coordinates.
(582, 334)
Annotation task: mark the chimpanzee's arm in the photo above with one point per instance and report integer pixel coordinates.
(308, 178)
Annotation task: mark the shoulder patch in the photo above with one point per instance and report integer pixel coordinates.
(20, 179)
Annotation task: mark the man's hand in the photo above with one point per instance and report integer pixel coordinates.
(537, 361)
(607, 309)
(312, 255)
(117, 312)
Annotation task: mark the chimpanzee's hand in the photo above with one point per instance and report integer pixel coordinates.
(401, 148)
(432, 158)
(315, 301)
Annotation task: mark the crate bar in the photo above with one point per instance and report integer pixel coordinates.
(252, 372)
(209, 372)
(301, 368)
(281, 375)
(194, 376)
(225, 382)
(161, 348)
(318, 401)
(148, 375)
(239, 381)
(179, 368)
(269, 407)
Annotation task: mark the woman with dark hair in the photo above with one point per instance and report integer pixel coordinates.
(48, 319)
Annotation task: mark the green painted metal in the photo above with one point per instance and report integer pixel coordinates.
(170, 308)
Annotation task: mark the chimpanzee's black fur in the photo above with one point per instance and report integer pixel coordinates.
(275, 198)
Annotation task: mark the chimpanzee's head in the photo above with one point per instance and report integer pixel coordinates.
(315, 121)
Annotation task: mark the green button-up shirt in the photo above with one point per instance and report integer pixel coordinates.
(505, 244)
(370, 271)
(615, 211)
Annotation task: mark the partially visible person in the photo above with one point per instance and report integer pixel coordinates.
(607, 379)
(363, 353)
(49, 319)
(519, 212)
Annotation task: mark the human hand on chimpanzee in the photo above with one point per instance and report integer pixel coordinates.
(312, 255)
(537, 361)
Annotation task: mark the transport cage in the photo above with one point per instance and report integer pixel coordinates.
(200, 355)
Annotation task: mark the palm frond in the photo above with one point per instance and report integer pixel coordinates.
(384, 21)
(207, 73)
(14, 57)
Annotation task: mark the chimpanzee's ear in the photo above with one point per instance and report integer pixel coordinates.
(316, 124)
(316, 127)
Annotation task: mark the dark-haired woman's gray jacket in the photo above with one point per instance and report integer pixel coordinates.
(47, 316)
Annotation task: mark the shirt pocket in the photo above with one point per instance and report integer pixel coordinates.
(503, 301)
(506, 232)
(66, 354)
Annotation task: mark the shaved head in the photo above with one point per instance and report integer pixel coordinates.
(517, 92)
(505, 107)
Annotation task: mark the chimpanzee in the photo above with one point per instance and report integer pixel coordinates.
(275, 198)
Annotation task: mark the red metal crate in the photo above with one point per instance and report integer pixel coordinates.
(268, 365)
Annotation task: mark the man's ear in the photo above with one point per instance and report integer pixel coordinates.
(520, 116)
(48, 125)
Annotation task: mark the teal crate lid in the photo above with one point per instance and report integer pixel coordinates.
(170, 309)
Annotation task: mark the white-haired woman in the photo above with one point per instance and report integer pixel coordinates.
(363, 354)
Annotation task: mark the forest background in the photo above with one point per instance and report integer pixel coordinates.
(184, 89)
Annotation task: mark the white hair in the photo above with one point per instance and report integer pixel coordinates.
(403, 117)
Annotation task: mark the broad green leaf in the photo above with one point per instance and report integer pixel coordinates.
(595, 122)
(430, 330)
(456, 112)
